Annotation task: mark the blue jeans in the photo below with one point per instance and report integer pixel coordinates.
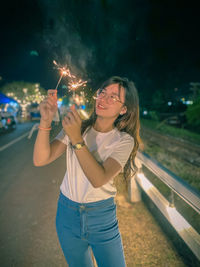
(85, 226)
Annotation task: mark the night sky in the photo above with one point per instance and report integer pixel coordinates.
(154, 43)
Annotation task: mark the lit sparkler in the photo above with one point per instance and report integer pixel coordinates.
(73, 84)
(63, 72)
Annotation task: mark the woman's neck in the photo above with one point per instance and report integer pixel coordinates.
(102, 125)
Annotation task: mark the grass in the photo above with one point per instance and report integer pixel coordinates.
(186, 171)
(173, 131)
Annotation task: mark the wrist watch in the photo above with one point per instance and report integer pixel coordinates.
(78, 146)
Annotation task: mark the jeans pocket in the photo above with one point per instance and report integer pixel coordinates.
(67, 216)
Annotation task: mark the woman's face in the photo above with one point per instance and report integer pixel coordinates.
(110, 101)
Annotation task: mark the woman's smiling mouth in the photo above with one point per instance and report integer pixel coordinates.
(99, 106)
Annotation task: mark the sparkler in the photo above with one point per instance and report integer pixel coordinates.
(73, 84)
(64, 72)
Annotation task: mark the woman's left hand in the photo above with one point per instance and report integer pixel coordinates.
(72, 125)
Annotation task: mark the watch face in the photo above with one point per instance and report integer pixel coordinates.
(78, 146)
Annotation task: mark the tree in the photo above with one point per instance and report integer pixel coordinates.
(195, 88)
(193, 115)
(24, 91)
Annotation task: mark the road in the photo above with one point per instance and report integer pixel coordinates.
(28, 201)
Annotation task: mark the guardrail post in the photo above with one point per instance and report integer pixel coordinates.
(172, 199)
(133, 188)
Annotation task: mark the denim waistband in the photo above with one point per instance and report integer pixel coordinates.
(90, 205)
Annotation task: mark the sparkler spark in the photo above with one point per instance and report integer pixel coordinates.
(73, 82)
(64, 71)
(74, 85)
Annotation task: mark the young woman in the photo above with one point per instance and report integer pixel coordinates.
(97, 150)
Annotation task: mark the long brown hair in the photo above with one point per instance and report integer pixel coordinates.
(128, 122)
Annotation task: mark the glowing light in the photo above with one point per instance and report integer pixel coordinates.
(65, 71)
(189, 102)
(75, 85)
(84, 113)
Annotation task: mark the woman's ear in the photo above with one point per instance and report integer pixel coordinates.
(123, 111)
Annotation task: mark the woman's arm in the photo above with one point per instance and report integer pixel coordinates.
(97, 174)
(44, 152)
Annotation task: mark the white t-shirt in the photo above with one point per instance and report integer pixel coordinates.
(115, 144)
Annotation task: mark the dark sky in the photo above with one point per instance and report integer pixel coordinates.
(155, 43)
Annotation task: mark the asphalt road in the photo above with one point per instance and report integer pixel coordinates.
(28, 202)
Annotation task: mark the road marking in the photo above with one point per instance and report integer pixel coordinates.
(14, 141)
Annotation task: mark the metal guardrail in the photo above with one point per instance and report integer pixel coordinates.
(178, 185)
(189, 195)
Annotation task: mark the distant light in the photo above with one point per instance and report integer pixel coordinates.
(59, 103)
(169, 103)
(25, 90)
(189, 102)
(14, 104)
(145, 112)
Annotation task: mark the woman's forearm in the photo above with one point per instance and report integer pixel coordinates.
(91, 168)
(41, 151)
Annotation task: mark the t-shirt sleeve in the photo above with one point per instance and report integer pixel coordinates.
(122, 150)
(62, 137)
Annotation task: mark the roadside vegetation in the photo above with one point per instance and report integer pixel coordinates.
(179, 133)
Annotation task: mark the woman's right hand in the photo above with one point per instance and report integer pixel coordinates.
(48, 106)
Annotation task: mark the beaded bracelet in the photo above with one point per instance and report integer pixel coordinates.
(46, 129)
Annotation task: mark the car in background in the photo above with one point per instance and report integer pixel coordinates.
(7, 121)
